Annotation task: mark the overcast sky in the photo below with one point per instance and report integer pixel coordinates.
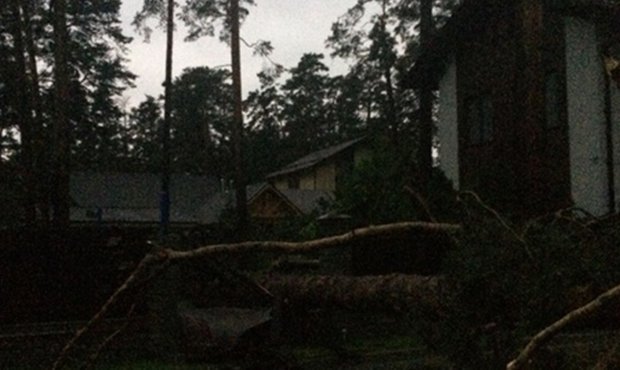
(294, 27)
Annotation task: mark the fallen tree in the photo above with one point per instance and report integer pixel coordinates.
(395, 292)
(160, 258)
(498, 276)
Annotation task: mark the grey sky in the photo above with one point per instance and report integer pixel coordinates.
(294, 27)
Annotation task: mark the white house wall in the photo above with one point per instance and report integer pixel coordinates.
(447, 127)
(586, 117)
(615, 126)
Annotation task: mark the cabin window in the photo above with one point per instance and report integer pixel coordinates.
(553, 100)
(479, 119)
(293, 182)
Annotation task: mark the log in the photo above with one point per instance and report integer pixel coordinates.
(160, 259)
(394, 292)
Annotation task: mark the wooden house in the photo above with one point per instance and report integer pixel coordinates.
(323, 169)
(266, 204)
(529, 105)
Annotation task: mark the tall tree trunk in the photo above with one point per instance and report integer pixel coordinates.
(165, 138)
(61, 128)
(240, 191)
(389, 88)
(25, 118)
(40, 165)
(425, 146)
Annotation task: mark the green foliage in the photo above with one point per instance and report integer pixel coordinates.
(203, 17)
(143, 130)
(506, 284)
(202, 120)
(376, 191)
(305, 105)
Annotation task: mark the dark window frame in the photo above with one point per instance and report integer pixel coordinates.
(554, 100)
(293, 182)
(479, 119)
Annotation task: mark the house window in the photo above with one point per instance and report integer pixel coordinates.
(479, 119)
(553, 100)
(293, 182)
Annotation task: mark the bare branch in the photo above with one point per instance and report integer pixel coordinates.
(133, 279)
(161, 258)
(93, 357)
(312, 245)
(503, 222)
(552, 330)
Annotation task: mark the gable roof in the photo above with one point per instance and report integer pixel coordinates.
(471, 17)
(134, 197)
(314, 158)
(303, 201)
(307, 201)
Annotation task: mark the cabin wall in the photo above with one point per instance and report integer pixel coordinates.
(325, 177)
(281, 184)
(447, 130)
(586, 117)
(307, 180)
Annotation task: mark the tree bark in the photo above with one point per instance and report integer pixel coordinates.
(25, 117)
(165, 134)
(61, 128)
(161, 258)
(240, 191)
(40, 159)
(425, 146)
(395, 292)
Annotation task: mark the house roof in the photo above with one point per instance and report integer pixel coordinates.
(212, 209)
(304, 201)
(307, 201)
(314, 158)
(470, 18)
(134, 197)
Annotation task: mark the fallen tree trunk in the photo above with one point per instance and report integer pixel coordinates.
(159, 259)
(395, 292)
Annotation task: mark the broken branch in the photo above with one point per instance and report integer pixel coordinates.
(549, 332)
(312, 245)
(162, 256)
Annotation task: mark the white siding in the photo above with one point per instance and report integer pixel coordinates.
(615, 125)
(447, 126)
(586, 117)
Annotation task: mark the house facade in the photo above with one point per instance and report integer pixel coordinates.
(266, 204)
(529, 115)
(321, 170)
